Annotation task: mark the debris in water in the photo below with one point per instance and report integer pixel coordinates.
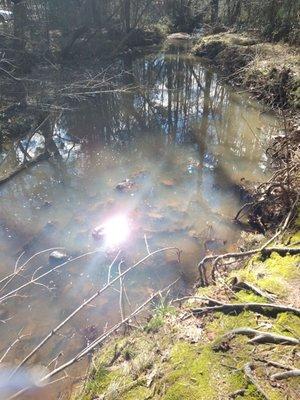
(168, 182)
(58, 256)
(125, 185)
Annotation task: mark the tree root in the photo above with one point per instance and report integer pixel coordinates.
(293, 373)
(242, 285)
(264, 249)
(251, 378)
(259, 337)
(262, 308)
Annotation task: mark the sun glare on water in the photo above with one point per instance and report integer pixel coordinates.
(116, 230)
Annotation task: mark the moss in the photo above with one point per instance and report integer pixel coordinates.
(200, 373)
(296, 237)
(101, 379)
(288, 324)
(206, 370)
(223, 323)
(137, 393)
(285, 266)
(162, 311)
(272, 275)
(244, 296)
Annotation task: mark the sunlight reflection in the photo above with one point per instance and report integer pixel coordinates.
(116, 230)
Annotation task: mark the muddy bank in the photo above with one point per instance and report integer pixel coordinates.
(187, 350)
(269, 71)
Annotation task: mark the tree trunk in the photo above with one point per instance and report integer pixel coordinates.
(127, 15)
(214, 6)
(20, 18)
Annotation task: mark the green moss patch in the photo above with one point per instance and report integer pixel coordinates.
(273, 275)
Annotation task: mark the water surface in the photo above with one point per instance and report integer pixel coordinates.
(182, 138)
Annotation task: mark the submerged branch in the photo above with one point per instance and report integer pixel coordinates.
(88, 301)
(96, 342)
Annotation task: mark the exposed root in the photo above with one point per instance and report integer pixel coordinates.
(203, 280)
(285, 375)
(273, 199)
(241, 285)
(262, 308)
(251, 378)
(259, 337)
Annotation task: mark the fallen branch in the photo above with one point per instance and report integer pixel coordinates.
(87, 302)
(18, 269)
(262, 337)
(94, 344)
(30, 163)
(293, 373)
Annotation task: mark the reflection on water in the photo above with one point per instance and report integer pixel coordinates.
(178, 145)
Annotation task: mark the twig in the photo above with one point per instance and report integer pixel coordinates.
(32, 281)
(121, 296)
(111, 265)
(147, 244)
(17, 340)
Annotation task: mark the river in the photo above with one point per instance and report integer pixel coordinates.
(184, 141)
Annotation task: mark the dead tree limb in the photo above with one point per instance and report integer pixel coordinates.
(22, 167)
(94, 344)
(88, 301)
(38, 278)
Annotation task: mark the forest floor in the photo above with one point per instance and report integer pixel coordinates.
(227, 340)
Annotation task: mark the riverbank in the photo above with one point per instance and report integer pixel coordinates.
(269, 71)
(194, 349)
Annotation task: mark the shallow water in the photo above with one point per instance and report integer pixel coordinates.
(183, 139)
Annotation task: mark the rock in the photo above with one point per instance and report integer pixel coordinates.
(125, 185)
(58, 256)
(179, 36)
(98, 232)
(156, 217)
(168, 182)
(47, 204)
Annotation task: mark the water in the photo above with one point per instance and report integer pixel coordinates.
(183, 139)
